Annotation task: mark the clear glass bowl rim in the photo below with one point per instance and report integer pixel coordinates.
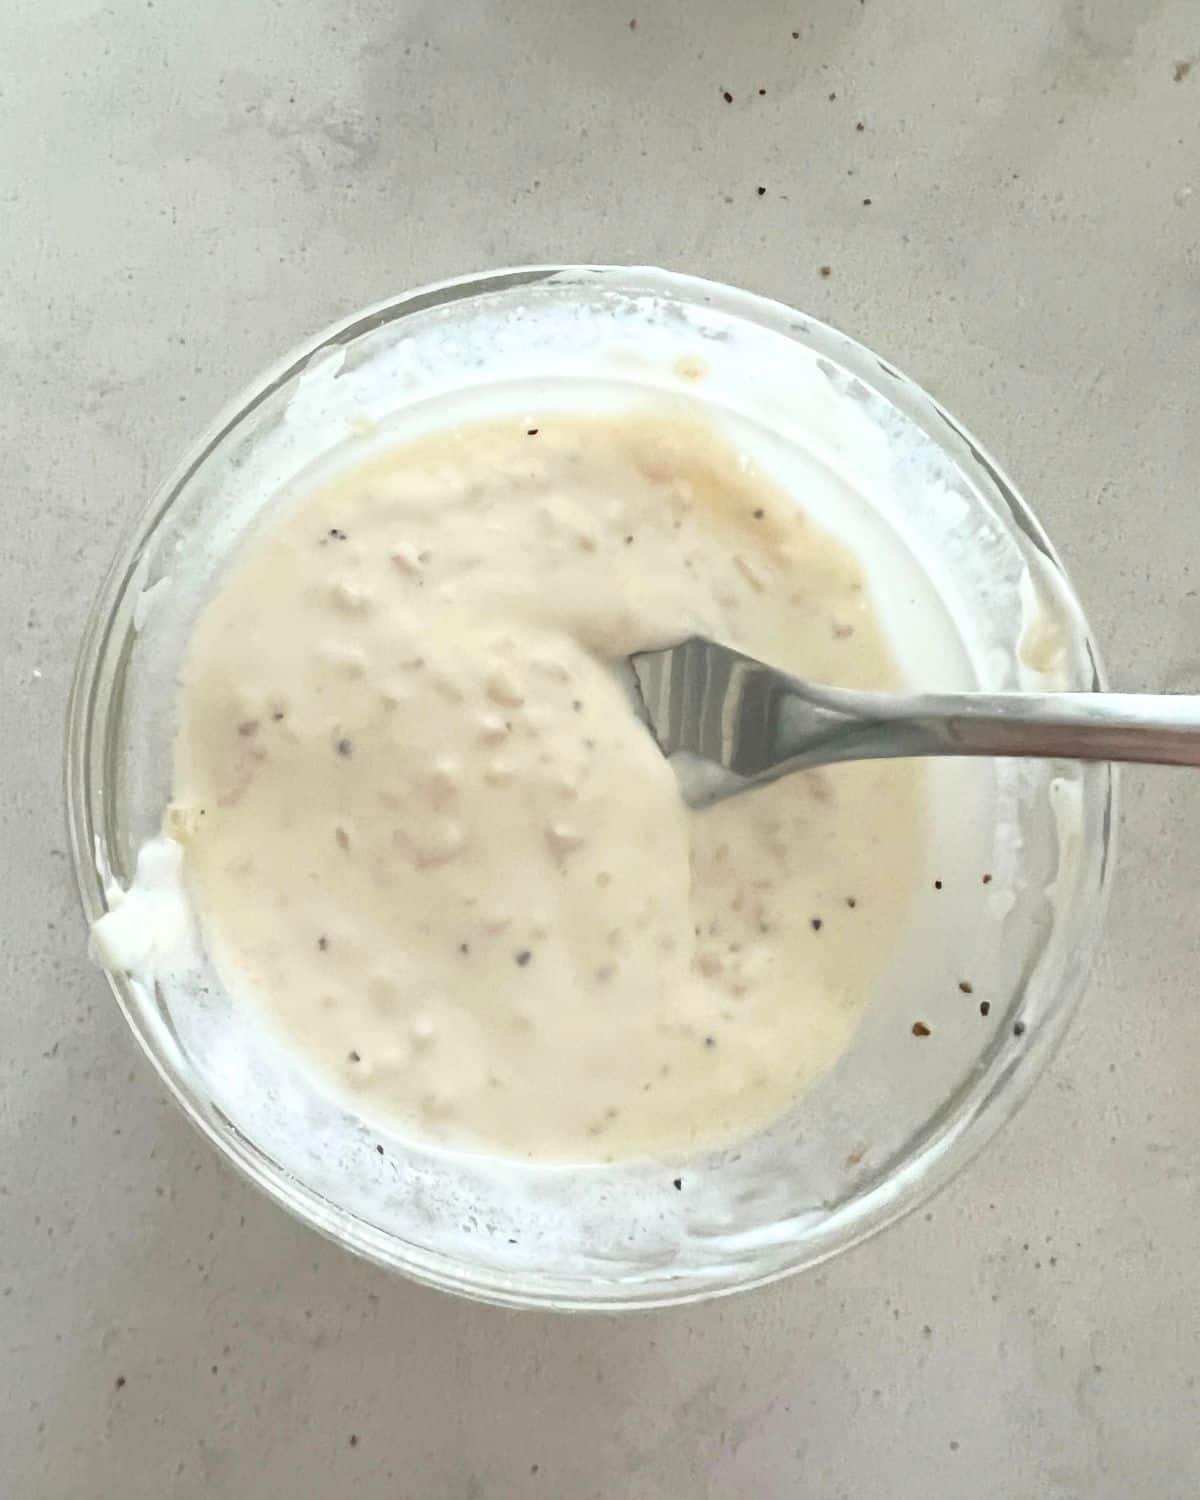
(943, 1151)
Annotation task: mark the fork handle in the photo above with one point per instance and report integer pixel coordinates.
(1158, 729)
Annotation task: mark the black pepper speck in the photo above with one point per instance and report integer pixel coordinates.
(522, 958)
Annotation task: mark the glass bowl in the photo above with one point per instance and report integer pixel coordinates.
(1006, 913)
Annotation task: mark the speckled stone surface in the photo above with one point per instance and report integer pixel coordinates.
(184, 191)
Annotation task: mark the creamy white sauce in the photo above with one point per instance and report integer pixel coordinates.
(147, 928)
(425, 831)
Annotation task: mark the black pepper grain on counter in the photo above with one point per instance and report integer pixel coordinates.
(816, 924)
(919, 1028)
(522, 958)
(984, 1007)
(344, 747)
(1018, 1028)
(966, 986)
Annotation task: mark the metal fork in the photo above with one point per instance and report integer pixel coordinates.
(729, 723)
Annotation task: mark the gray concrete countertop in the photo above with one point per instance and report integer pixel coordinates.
(1007, 199)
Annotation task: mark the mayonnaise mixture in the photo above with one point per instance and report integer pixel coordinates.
(425, 829)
